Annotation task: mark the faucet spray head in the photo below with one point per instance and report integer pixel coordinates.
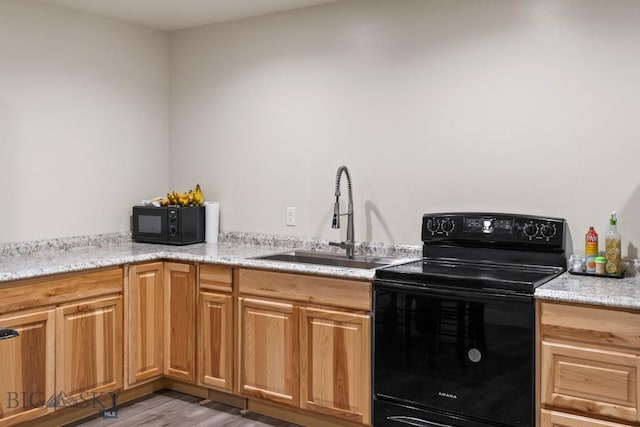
(335, 223)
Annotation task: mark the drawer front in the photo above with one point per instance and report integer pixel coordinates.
(593, 381)
(216, 278)
(594, 324)
(60, 288)
(350, 294)
(559, 419)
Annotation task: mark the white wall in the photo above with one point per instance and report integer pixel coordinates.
(497, 105)
(83, 120)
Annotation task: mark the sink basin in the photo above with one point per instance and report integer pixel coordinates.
(332, 259)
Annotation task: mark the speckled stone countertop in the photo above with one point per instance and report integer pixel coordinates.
(610, 292)
(42, 258)
(23, 260)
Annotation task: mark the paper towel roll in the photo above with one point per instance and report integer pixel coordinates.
(212, 218)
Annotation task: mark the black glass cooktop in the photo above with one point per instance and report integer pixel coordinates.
(476, 275)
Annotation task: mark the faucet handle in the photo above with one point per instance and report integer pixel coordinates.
(341, 245)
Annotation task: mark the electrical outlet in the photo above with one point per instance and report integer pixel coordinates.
(291, 217)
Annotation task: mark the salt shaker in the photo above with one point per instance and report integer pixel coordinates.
(576, 263)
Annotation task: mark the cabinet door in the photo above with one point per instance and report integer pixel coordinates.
(559, 419)
(180, 321)
(590, 380)
(216, 341)
(144, 317)
(88, 348)
(269, 350)
(335, 364)
(27, 378)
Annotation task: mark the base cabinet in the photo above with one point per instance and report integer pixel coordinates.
(335, 366)
(88, 349)
(180, 321)
(215, 328)
(27, 378)
(303, 354)
(589, 365)
(298, 344)
(144, 317)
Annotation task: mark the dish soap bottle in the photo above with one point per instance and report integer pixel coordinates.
(613, 245)
(591, 250)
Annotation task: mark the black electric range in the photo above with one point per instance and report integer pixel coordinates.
(454, 331)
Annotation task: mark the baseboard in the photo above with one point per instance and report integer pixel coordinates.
(295, 415)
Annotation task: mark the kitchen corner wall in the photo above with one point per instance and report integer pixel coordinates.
(83, 120)
(498, 105)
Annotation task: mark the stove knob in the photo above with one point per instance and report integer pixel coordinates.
(548, 230)
(432, 225)
(530, 230)
(447, 226)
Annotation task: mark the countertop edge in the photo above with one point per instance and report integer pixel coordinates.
(228, 254)
(614, 293)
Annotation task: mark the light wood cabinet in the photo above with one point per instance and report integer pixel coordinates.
(216, 341)
(269, 349)
(89, 348)
(215, 328)
(305, 341)
(335, 367)
(144, 317)
(28, 363)
(180, 321)
(588, 364)
(70, 344)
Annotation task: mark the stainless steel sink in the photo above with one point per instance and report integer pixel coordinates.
(332, 259)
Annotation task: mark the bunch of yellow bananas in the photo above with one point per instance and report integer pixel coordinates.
(190, 198)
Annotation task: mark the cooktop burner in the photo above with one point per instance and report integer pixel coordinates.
(476, 275)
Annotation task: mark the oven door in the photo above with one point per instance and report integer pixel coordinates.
(465, 355)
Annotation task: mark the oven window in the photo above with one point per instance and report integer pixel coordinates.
(468, 357)
(150, 224)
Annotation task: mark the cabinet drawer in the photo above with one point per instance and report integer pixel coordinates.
(60, 288)
(215, 278)
(559, 419)
(596, 325)
(589, 380)
(350, 294)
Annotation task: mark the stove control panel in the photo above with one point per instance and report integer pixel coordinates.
(493, 228)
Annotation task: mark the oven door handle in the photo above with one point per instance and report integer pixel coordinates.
(412, 421)
(453, 293)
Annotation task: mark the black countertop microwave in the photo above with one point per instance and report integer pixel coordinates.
(169, 225)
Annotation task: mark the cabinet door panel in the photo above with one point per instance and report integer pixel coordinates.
(593, 381)
(180, 321)
(89, 347)
(216, 341)
(27, 378)
(144, 317)
(269, 350)
(335, 364)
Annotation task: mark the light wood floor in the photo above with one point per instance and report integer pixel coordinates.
(170, 408)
